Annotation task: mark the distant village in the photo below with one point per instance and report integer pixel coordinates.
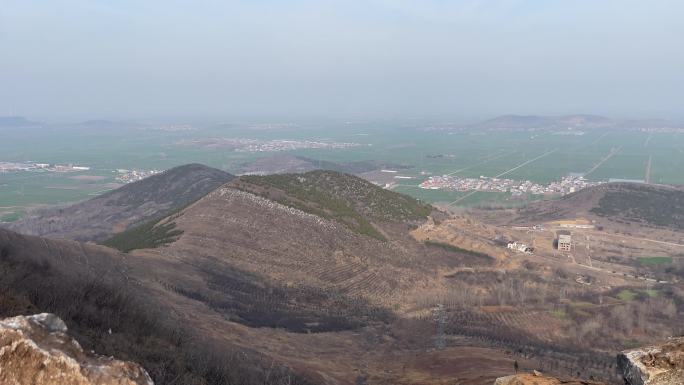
(568, 184)
(25, 166)
(123, 175)
(129, 176)
(287, 145)
(256, 145)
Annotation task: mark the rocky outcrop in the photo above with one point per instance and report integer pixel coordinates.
(654, 365)
(36, 350)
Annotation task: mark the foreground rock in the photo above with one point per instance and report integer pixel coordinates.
(35, 350)
(654, 365)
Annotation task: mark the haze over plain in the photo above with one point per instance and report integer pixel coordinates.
(69, 59)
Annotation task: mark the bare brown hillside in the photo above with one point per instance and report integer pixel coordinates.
(330, 279)
(290, 268)
(312, 292)
(253, 275)
(228, 227)
(107, 307)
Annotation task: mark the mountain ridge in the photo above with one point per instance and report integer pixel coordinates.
(121, 209)
(567, 122)
(504, 122)
(649, 205)
(287, 164)
(16, 122)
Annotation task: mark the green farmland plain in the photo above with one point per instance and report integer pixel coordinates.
(539, 156)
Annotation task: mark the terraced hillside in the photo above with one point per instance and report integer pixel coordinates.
(274, 254)
(121, 209)
(277, 272)
(233, 227)
(253, 274)
(252, 271)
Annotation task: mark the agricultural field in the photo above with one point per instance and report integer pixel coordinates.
(538, 156)
(663, 260)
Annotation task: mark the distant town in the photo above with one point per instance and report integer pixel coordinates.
(568, 184)
(25, 166)
(255, 145)
(129, 176)
(123, 175)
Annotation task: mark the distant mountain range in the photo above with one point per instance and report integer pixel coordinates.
(104, 124)
(580, 121)
(20, 121)
(16, 121)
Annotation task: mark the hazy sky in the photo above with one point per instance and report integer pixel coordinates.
(346, 58)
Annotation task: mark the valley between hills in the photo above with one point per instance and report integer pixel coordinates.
(323, 277)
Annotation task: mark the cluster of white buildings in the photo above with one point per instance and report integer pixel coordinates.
(128, 176)
(520, 247)
(23, 166)
(568, 184)
(11, 166)
(571, 183)
(287, 145)
(256, 145)
(446, 182)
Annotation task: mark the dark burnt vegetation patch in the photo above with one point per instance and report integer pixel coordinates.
(654, 206)
(568, 328)
(247, 299)
(490, 329)
(113, 318)
(476, 255)
(176, 187)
